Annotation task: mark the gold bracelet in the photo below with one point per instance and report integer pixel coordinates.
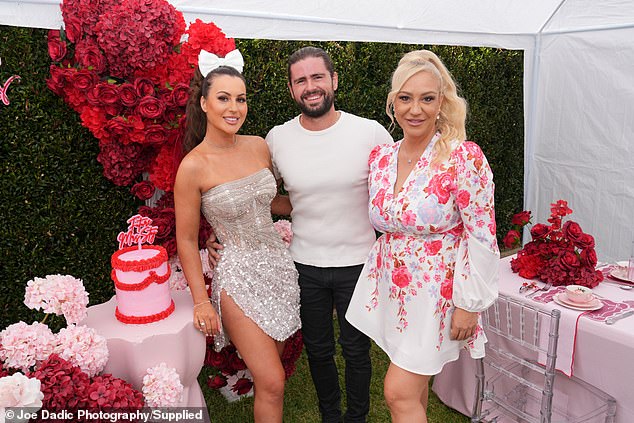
(204, 302)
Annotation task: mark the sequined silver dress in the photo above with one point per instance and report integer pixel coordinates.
(256, 270)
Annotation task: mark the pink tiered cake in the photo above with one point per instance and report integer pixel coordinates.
(140, 276)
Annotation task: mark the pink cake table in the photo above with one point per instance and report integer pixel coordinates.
(135, 348)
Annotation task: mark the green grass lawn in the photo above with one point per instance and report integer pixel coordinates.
(300, 401)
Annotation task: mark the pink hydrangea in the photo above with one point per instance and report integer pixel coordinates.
(283, 227)
(23, 346)
(58, 294)
(18, 390)
(162, 387)
(83, 347)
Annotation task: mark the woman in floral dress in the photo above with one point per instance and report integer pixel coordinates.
(435, 267)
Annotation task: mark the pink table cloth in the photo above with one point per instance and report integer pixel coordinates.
(602, 353)
(135, 348)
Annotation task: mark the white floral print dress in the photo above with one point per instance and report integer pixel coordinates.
(438, 252)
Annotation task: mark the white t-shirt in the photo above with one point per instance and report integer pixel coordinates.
(326, 176)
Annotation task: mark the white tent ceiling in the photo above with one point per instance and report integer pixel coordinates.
(578, 79)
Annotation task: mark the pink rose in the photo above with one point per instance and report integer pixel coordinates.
(432, 248)
(385, 160)
(401, 277)
(446, 289)
(463, 198)
(441, 186)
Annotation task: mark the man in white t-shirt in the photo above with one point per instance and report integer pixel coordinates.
(321, 156)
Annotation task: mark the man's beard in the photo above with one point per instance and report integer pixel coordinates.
(319, 110)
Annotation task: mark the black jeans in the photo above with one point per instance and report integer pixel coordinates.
(321, 288)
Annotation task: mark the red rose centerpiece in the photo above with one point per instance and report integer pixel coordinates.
(559, 253)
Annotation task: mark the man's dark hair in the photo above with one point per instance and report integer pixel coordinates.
(310, 51)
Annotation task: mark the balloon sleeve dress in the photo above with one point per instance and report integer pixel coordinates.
(256, 269)
(438, 251)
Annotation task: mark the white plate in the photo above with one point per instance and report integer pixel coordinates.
(620, 273)
(561, 299)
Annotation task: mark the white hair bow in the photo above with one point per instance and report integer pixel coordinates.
(209, 61)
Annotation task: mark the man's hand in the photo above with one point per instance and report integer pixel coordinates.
(212, 250)
(463, 324)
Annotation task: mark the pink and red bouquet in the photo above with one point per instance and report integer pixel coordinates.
(559, 253)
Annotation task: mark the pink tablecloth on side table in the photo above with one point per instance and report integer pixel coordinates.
(602, 356)
(135, 348)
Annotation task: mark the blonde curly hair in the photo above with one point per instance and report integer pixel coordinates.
(453, 111)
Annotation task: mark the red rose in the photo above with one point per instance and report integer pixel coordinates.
(84, 80)
(144, 87)
(88, 55)
(540, 231)
(170, 246)
(166, 221)
(72, 28)
(401, 277)
(236, 363)
(512, 239)
(180, 95)
(521, 218)
(463, 198)
(143, 190)
(432, 248)
(106, 93)
(150, 107)
(216, 382)
(155, 134)
(585, 241)
(441, 186)
(217, 359)
(569, 259)
(242, 386)
(56, 47)
(128, 95)
(572, 231)
(588, 257)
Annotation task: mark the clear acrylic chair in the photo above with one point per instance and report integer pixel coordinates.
(513, 385)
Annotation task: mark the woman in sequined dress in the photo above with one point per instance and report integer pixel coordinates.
(255, 295)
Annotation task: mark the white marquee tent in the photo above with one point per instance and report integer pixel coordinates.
(578, 79)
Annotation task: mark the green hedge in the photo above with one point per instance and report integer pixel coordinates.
(60, 215)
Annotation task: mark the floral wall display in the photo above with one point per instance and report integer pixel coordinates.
(130, 89)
